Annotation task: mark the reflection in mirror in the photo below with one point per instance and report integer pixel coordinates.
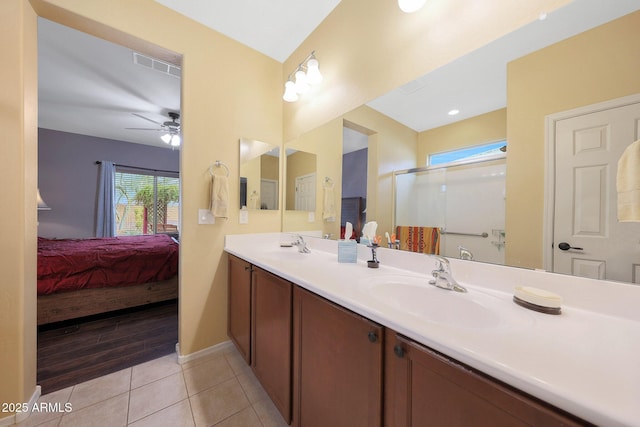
(355, 157)
(301, 181)
(259, 174)
(543, 61)
(453, 211)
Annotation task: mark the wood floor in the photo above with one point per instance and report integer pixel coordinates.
(76, 351)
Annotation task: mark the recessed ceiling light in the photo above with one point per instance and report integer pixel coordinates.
(453, 112)
(542, 16)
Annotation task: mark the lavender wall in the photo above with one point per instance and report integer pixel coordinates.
(354, 174)
(68, 177)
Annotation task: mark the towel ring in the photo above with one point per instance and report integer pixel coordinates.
(218, 164)
(328, 182)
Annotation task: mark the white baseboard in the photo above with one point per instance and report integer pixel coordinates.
(21, 416)
(204, 352)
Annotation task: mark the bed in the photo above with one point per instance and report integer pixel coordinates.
(82, 277)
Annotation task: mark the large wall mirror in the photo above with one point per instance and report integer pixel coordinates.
(259, 175)
(399, 139)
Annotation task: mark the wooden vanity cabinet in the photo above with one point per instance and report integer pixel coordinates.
(239, 305)
(426, 388)
(271, 338)
(337, 378)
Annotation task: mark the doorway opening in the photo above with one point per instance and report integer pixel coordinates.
(355, 152)
(102, 102)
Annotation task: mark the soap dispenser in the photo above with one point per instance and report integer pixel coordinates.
(373, 263)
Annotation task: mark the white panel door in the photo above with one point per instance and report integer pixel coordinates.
(306, 193)
(588, 239)
(269, 194)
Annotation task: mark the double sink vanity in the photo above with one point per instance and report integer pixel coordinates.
(342, 344)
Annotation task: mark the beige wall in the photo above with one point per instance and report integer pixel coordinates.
(595, 66)
(478, 130)
(18, 116)
(270, 167)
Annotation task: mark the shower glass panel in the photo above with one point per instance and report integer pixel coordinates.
(467, 202)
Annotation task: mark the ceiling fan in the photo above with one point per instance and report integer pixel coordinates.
(171, 128)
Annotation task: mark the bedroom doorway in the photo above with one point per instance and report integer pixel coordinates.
(99, 103)
(355, 154)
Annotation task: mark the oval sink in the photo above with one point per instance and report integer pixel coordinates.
(474, 309)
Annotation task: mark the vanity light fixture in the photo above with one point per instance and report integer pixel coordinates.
(306, 74)
(410, 6)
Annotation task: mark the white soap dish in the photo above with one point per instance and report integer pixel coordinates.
(538, 300)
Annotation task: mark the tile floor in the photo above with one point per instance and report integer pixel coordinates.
(214, 390)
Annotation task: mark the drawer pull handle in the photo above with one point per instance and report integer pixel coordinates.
(373, 337)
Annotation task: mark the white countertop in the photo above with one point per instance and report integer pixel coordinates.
(585, 361)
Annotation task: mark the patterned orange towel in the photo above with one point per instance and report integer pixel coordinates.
(425, 240)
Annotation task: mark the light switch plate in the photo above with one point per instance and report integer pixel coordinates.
(312, 216)
(205, 217)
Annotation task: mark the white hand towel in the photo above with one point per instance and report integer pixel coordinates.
(219, 196)
(329, 208)
(628, 184)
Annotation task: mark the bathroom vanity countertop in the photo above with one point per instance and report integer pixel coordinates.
(585, 361)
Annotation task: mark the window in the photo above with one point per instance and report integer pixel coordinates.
(147, 202)
(478, 153)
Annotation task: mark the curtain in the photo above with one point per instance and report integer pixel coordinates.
(106, 215)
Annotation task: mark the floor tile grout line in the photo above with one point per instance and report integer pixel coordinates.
(184, 380)
(129, 397)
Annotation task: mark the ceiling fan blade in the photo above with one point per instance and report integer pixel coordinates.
(147, 119)
(158, 130)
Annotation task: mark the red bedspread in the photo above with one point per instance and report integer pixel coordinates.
(71, 264)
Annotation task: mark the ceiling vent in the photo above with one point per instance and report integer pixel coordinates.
(156, 64)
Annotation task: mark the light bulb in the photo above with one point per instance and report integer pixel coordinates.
(301, 82)
(175, 140)
(166, 138)
(290, 94)
(410, 6)
(314, 76)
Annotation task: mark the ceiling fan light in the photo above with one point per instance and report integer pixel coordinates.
(290, 94)
(410, 6)
(175, 141)
(166, 138)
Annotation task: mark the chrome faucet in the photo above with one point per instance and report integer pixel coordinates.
(443, 278)
(301, 244)
(465, 253)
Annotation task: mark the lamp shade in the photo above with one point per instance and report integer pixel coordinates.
(42, 206)
(301, 82)
(313, 72)
(410, 6)
(290, 94)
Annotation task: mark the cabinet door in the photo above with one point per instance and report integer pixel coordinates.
(337, 365)
(271, 337)
(425, 388)
(239, 305)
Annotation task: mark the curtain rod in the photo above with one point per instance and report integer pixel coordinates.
(98, 162)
